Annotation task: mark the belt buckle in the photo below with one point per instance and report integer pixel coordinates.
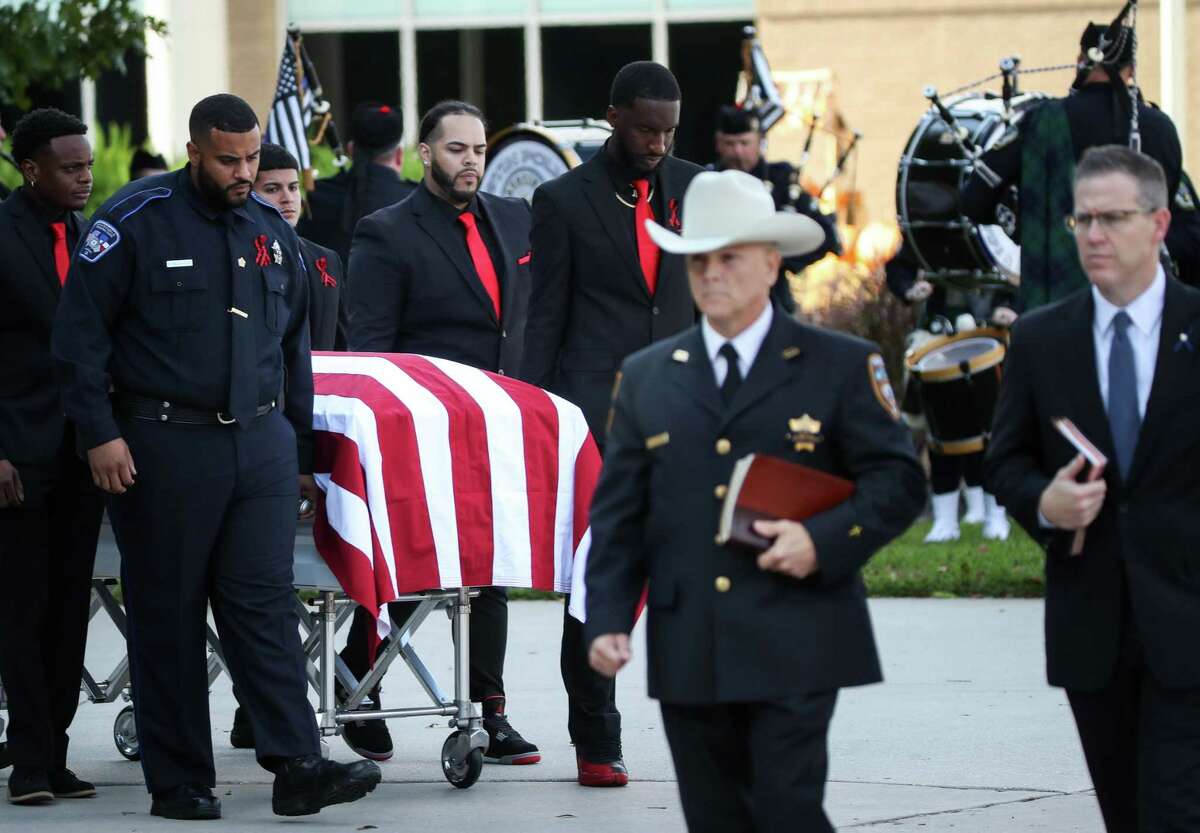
(221, 419)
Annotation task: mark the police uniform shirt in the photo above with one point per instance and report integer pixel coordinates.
(747, 343)
(149, 307)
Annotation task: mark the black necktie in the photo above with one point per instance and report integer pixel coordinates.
(733, 373)
(243, 364)
(1123, 416)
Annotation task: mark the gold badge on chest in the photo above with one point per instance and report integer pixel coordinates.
(804, 433)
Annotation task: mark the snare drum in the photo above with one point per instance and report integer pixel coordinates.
(959, 379)
(522, 157)
(948, 245)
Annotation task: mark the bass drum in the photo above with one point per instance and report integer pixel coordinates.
(948, 245)
(522, 157)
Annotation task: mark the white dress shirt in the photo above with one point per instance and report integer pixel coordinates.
(1145, 311)
(747, 343)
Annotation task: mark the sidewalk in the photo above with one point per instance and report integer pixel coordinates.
(964, 736)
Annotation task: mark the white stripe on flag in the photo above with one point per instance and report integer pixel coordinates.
(512, 560)
(355, 420)
(578, 589)
(572, 432)
(293, 104)
(283, 127)
(431, 424)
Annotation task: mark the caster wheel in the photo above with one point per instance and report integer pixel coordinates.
(461, 770)
(125, 734)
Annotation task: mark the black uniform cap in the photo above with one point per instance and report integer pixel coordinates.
(376, 127)
(145, 160)
(733, 119)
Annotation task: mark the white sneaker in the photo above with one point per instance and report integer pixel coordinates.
(945, 519)
(996, 525)
(976, 510)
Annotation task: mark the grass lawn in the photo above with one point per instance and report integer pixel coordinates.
(964, 568)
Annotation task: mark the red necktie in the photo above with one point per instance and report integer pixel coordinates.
(62, 258)
(482, 260)
(648, 252)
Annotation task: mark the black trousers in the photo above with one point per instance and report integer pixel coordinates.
(211, 519)
(592, 717)
(1142, 744)
(488, 633)
(47, 548)
(752, 767)
(946, 470)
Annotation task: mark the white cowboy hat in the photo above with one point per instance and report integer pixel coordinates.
(730, 208)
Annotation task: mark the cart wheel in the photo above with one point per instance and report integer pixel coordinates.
(460, 771)
(125, 734)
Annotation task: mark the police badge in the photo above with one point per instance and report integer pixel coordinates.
(101, 238)
(278, 252)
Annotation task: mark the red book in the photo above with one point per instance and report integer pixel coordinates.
(1093, 455)
(770, 488)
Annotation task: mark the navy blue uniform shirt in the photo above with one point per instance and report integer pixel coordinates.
(146, 308)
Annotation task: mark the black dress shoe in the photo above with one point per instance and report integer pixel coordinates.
(304, 785)
(186, 803)
(241, 736)
(29, 785)
(67, 784)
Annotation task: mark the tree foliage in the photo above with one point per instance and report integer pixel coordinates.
(49, 44)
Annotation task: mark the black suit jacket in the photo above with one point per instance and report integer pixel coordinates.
(589, 306)
(1145, 537)
(324, 316)
(334, 210)
(416, 290)
(655, 514)
(32, 424)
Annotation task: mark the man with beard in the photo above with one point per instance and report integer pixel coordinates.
(445, 273)
(601, 290)
(49, 509)
(740, 144)
(182, 349)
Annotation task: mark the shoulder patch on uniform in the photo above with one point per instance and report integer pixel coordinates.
(101, 239)
(136, 202)
(1183, 198)
(881, 385)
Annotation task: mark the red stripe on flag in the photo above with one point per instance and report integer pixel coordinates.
(471, 468)
(587, 472)
(414, 555)
(539, 431)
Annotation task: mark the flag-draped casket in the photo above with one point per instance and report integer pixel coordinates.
(439, 475)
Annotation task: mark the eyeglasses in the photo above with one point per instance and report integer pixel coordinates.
(1081, 223)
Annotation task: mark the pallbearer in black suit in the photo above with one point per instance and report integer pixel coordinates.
(746, 651)
(278, 182)
(602, 289)
(49, 508)
(1119, 359)
(181, 345)
(445, 273)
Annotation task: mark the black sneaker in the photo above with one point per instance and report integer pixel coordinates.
(369, 738)
(241, 736)
(29, 785)
(189, 802)
(66, 784)
(505, 744)
(304, 785)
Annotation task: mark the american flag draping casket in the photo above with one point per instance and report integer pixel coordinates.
(439, 475)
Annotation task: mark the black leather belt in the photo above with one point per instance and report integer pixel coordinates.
(159, 410)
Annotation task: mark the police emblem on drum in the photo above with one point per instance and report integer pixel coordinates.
(522, 157)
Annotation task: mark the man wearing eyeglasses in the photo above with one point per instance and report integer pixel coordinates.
(1119, 359)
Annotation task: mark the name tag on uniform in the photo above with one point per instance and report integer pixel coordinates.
(178, 264)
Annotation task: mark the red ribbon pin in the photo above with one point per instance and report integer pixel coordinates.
(673, 214)
(326, 278)
(262, 257)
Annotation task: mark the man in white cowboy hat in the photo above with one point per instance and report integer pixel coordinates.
(747, 649)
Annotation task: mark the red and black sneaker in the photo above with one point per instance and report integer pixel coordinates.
(505, 744)
(601, 773)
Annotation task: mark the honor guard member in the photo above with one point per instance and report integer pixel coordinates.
(941, 308)
(445, 273)
(602, 290)
(144, 164)
(49, 509)
(1038, 157)
(183, 354)
(336, 204)
(740, 144)
(746, 651)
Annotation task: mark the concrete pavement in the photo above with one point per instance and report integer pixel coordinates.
(964, 736)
